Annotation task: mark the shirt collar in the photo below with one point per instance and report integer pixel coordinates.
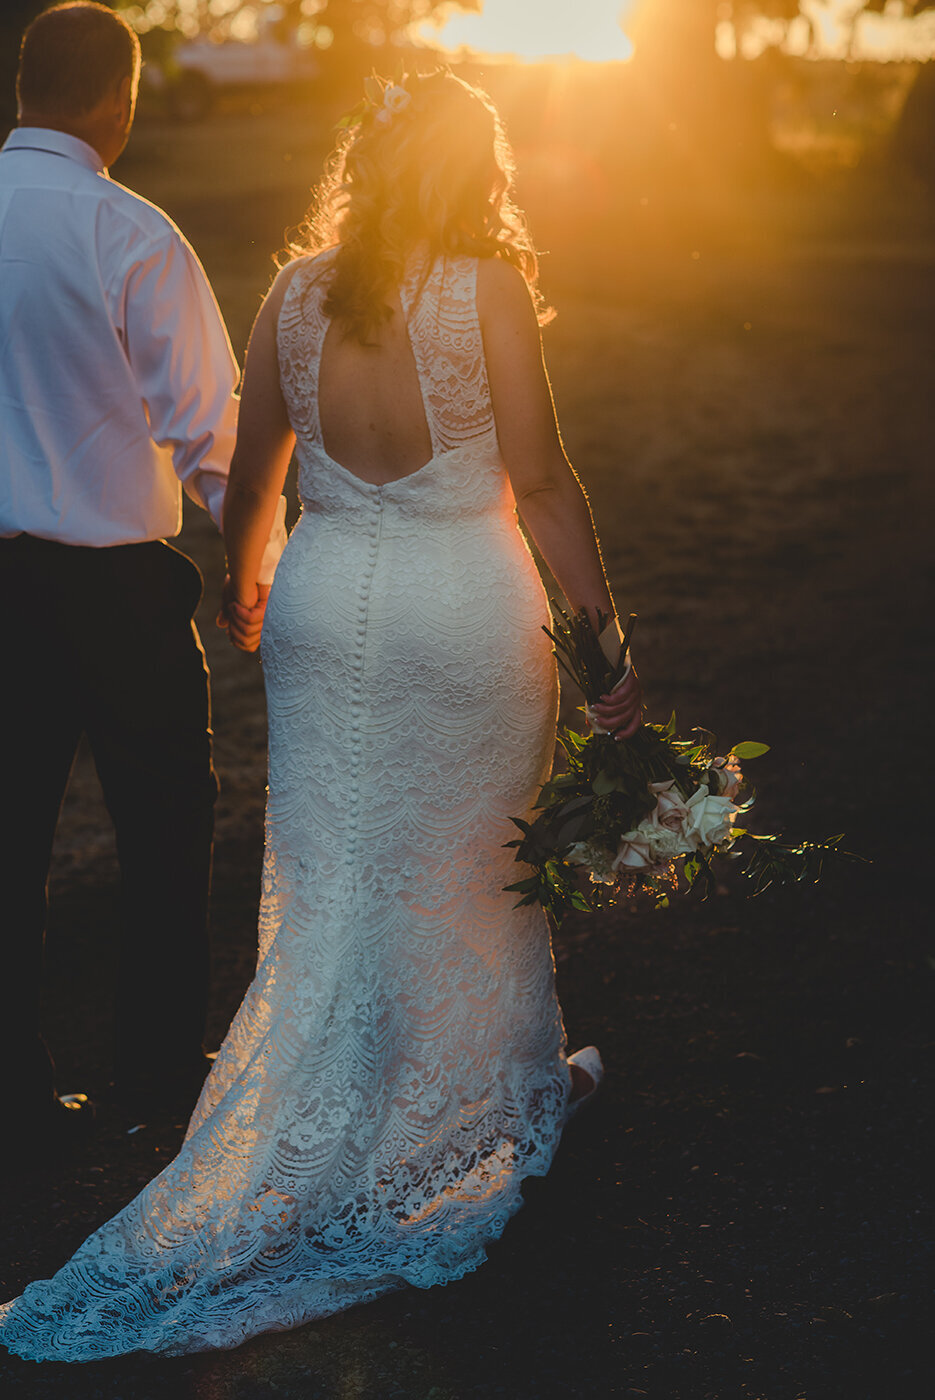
(58, 143)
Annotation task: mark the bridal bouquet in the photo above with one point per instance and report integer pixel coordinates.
(644, 815)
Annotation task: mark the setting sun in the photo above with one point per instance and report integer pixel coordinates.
(536, 29)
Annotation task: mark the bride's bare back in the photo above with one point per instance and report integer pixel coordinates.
(370, 403)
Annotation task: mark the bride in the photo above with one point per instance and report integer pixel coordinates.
(397, 1066)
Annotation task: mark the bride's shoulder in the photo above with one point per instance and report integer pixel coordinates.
(300, 272)
(306, 267)
(499, 274)
(502, 292)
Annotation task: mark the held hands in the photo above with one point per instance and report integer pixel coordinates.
(241, 619)
(621, 712)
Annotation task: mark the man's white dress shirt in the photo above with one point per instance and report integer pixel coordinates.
(117, 376)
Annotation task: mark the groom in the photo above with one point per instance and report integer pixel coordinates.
(116, 390)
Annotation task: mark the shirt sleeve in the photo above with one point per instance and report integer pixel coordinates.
(181, 357)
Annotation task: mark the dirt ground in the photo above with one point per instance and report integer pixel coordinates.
(745, 1212)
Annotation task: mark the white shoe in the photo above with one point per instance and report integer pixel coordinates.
(589, 1060)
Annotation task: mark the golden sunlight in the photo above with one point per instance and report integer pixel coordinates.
(537, 29)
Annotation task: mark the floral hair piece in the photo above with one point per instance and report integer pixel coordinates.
(395, 99)
(383, 101)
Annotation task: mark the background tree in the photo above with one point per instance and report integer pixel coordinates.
(699, 102)
(709, 105)
(14, 17)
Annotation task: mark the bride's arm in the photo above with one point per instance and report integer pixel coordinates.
(258, 469)
(549, 496)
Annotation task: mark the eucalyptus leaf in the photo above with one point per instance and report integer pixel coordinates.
(569, 832)
(749, 749)
(603, 784)
(575, 805)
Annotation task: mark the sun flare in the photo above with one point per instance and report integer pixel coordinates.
(537, 29)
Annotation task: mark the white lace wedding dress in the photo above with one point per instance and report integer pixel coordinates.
(397, 1066)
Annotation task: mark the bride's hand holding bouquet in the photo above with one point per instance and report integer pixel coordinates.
(639, 809)
(619, 711)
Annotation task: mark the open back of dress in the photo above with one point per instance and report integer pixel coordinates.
(397, 1066)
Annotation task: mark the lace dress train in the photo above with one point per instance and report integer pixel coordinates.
(397, 1066)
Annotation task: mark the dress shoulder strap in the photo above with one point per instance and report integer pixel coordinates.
(440, 306)
(300, 334)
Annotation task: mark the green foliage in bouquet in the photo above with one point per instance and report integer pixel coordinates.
(643, 815)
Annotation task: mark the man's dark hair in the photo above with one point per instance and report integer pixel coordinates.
(73, 55)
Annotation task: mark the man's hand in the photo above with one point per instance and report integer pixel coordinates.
(621, 712)
(242, 619)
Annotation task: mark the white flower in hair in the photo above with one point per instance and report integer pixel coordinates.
(395, 99)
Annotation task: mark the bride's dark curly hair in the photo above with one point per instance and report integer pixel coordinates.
(435, 173)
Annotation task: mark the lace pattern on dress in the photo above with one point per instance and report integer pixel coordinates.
(397, 1066)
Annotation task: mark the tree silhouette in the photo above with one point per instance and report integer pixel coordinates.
(14, 17)
(675, 56)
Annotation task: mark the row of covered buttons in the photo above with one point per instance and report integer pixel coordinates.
(376, 496)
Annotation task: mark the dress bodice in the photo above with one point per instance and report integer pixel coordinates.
(465, 476)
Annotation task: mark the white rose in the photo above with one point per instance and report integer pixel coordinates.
(634, 852)
(709, 818)
(669, 812)
(396, 98)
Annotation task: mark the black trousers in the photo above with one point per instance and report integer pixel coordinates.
(102, 642)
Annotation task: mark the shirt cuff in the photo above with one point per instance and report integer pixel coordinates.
(275, 544)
